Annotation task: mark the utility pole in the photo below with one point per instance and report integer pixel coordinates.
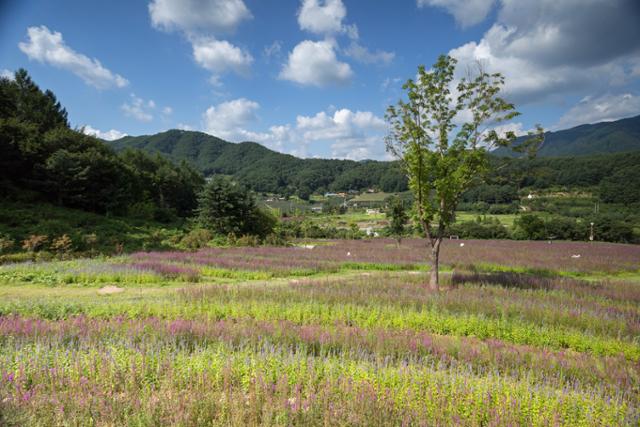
(591, 234)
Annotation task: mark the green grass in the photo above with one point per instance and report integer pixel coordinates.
(505, 219)
(20, 220)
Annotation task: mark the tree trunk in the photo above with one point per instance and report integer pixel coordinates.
(434, 277)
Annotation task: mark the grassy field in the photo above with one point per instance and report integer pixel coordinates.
(334, 333)
(379, 220)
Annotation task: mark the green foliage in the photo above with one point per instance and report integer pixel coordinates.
(480, 228)
(266, 171)
(91, 233)
(44, 160)
(622, 186)
(530, 227)
(196, 239)
(398, 217)
(607, 228)
(227, 207)
(440, 167)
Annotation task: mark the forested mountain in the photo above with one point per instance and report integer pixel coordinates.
(604, 144)
(265, 170)
(586, 140)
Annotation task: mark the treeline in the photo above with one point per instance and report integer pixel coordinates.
(43, 159)
(266, 171)
(614, 176)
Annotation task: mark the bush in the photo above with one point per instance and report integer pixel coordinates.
(481, 228)
(34, 242)
(62, 245)
(529, 227)
(6, 243)
(196, 239)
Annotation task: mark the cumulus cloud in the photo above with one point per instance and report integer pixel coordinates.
(605, 108)
(6, 74)
(109, 135)
(211, 16)
(49, 47)
(201, 21)
(167, 111)
(322, 17)
(351, 134)
(315, 64)
(465, 12)
(229, 119)
(549, 47)
(139, 109)
(220, 56)
(366, 56)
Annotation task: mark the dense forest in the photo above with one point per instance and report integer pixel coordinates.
(43, 159)
(264, 170)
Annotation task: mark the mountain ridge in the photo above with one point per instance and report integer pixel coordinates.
(587, 139)
(265, 170)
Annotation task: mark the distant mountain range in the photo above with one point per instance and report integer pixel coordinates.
(586, 140)
(266, 170)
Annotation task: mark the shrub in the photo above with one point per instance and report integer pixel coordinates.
(6, 243)
(481, 228)
(248, 240)
(529, 227)
(196, 239)
(62, 245)
(34, 242)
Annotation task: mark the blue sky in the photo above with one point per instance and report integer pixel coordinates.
(314, 77)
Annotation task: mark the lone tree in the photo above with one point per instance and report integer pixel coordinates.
(227, 207)
(397, 215)
(442, 158)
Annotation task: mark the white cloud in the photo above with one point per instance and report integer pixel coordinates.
(605, 108)
(322, 17)
(228, 119)
(547, 48)
(167, 111)
(139, 109)
(49, 47)
(210, 16)
(353, 135)
(465, 12)
(6, 74)
(200, 21)
(364, 55)
(315, 63)
(220, 56)
(109, 135)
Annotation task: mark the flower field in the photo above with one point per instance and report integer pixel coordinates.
(329, 333)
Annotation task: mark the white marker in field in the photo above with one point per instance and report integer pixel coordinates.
(461, 245)
(575, 256)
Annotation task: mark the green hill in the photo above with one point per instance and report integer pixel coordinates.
(265, 170)
(599, 138)
(268, 171)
